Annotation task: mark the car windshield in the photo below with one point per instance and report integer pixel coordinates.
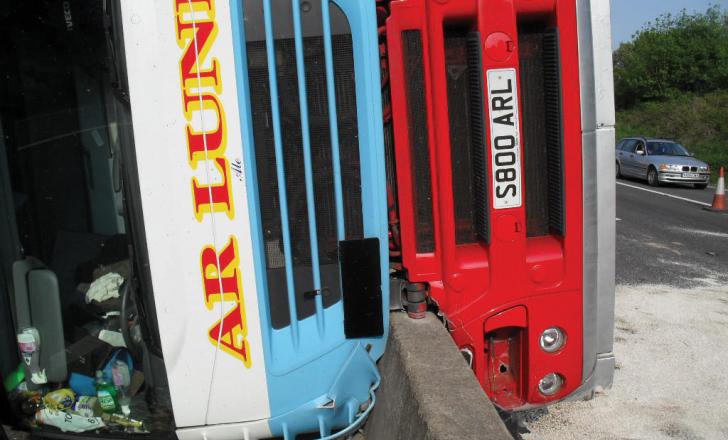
(657, 148)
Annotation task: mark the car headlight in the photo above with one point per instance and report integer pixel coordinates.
(670, 167)
(705, 168)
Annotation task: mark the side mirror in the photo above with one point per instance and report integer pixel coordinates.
(691, 154)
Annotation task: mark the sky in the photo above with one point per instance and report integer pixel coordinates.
(628, 16)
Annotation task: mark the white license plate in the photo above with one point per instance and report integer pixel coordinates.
(505, 143)
(690, 175)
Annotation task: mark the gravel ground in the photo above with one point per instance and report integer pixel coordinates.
(671, 381)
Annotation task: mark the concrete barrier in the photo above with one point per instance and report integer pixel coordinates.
(428, 391)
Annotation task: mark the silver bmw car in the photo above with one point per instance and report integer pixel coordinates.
(660, 161)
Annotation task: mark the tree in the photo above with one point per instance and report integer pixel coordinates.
(671, 56)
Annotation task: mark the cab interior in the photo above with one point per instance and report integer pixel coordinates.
(68, 259)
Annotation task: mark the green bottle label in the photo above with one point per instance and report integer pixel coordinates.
(106, 400)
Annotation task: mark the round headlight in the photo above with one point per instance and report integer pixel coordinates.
(550, 384)
(552, 339)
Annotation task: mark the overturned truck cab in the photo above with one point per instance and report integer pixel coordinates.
(502, 114)
(193, 209)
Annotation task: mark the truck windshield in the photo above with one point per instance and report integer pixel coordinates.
(78, 337)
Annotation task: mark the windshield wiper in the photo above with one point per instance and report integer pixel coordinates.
(113, 42)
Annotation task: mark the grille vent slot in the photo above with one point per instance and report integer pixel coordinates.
(464, 71)
(543, 133)
(477, 137)
(418, 139)
(289, 110)
(554, 131)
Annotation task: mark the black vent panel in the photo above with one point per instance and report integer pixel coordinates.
(293, 162)
(477, 137)
(554, 131)
(458, 91)
(418, 139)
(543, 134)
(463, 66)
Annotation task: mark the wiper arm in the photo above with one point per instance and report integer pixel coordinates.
(117, 70)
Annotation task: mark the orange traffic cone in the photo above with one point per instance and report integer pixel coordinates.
(719, 197)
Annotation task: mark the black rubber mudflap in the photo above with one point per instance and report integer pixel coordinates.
(361, 276)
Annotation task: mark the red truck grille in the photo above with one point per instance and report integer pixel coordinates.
(501, 269)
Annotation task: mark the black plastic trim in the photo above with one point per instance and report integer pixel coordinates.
(362, 288)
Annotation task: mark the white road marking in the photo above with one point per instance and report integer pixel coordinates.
(701, 232)
(665, 194)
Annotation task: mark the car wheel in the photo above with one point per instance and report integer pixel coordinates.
(700, 185)
(619, 171)
(652, 178)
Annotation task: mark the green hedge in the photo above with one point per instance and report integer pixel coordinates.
(672, 55)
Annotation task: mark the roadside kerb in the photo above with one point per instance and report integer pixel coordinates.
(428, 391)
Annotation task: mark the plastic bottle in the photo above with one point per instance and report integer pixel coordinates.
(106, 394)
(122, 379)
(29, 345)
(15, 377)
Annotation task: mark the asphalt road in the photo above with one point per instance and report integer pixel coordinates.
(664, 236)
